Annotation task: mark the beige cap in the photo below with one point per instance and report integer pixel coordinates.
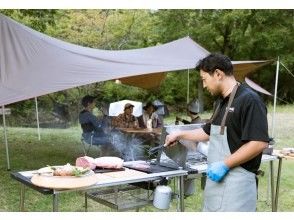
(128, 105)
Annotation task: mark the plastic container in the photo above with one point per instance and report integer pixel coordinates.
(162, 197)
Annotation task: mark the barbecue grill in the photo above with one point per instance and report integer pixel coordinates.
(181, 156)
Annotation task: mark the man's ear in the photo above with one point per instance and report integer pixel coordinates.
(219, 73)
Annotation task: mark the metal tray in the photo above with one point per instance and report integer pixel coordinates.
(122, 198)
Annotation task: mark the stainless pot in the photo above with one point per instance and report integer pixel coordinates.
(189, 187)
(162, 197)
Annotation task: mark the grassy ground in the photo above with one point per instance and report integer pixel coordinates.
(60, 146)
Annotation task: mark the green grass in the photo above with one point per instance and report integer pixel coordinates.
(60, 146)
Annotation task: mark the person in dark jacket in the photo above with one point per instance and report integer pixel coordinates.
(94, 128)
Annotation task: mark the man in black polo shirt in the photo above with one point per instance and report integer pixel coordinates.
(237, 134)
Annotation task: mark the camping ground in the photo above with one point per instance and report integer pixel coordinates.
(59, 146)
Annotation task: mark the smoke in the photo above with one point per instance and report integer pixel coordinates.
(130, 146)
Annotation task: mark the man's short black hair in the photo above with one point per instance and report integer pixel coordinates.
(216, 61)
(88, 99)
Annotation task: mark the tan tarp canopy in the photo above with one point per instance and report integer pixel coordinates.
(245, 68)
(154, 80)
(148, 81)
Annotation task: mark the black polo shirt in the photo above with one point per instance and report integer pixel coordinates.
(247, 121)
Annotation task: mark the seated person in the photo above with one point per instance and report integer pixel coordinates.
(192, 112)
(149, 114)
(126, 119)
(93, 128)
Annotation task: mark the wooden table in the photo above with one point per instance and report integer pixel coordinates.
(156, 131)
(278, 153)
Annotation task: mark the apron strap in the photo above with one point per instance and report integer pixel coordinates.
(214, 113)
(232, 96)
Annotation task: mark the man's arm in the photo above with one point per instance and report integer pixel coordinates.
(95, 121)
(245, 153)
(191, 135)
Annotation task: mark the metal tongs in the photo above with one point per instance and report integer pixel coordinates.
(154, 150)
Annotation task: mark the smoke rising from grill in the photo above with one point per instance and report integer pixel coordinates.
(130, 146)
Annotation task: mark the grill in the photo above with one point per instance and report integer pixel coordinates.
(147, 167)
(173, 158)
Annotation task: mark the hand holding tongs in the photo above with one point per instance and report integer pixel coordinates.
(154, 150)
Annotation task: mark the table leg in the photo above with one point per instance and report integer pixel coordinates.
(278, 185)
(55, 202)
(86, 202)
(181, 193)
(268, 192)
(22, 197)
(272, 185)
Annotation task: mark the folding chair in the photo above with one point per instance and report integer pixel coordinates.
(86, 146)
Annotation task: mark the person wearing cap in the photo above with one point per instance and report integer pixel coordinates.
(192, 112)
(94, 128)
(237, 134)
(150, 114)
(126, 119)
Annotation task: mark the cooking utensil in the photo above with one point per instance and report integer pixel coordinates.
(154, 150)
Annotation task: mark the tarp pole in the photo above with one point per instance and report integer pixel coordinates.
(273, 124)
(37, 115)
(5, 138)
(188, 85)
(275, 97)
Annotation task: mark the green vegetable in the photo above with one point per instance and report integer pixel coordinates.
(52, 168)
(78, 172)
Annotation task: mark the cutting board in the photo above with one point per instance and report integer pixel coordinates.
(64, 182)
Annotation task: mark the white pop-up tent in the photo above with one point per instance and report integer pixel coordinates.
(33, 64)
(117, 108)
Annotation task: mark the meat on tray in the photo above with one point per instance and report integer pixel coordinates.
(109, 162)
(100, 162)
(86, 162)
